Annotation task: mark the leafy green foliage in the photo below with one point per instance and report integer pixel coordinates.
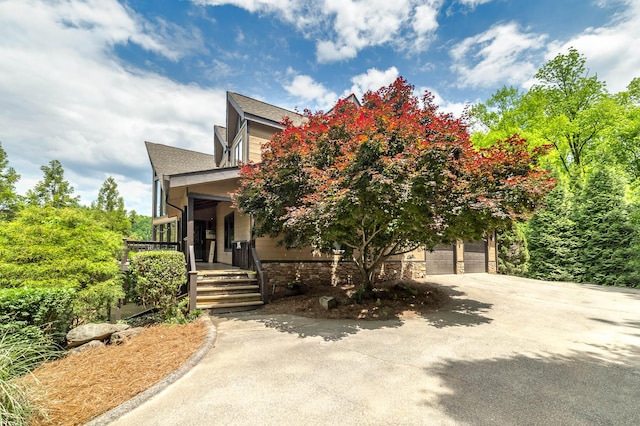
(141, 228)
(66, 247)
(513, 253)
(39, 313)
(384, 178)
(552, 240)
(607, 238)
(18, 357)
(159, 276)
(110, 209)
(53, 190)
(8, 197)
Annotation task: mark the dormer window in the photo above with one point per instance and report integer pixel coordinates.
(238, 152)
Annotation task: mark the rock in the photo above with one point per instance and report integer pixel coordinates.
(88, 332)
(93, 344)
(119, 337)
(328, 302)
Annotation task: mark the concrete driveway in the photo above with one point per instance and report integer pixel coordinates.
(504, 351)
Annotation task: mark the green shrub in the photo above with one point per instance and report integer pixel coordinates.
(18, 357)
(159, 276)
(48, 247)
(62, 247)
(47, 312)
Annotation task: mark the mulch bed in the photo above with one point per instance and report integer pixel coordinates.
(79, 387)
(389, 300)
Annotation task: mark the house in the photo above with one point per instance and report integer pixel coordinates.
(192, 206)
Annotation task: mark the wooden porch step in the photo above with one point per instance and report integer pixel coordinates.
(228, 305)
(217, 297)
(223, 288)
(226, 280)
(225, 273)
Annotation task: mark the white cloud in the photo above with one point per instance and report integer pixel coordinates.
(316, 96)
(372, 80)
(454, 108)
(306, 89)
(501, 55)
(65, 96)
(611, 50)
(473, 3)
(342, 28)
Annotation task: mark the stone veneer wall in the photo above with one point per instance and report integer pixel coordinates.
(337, 272)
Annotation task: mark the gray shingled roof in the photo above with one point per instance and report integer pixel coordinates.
(168, 160)
(222, 131)
(265, 110)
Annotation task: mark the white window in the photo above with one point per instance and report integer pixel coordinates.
(238, 152)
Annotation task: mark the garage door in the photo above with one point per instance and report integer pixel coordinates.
(441, 260)
(475, 256)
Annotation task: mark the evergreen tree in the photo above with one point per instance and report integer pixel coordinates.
(9, 199)
(110, 208)
(52, 190)
(551, 237)
(513, 252)
(605, 232)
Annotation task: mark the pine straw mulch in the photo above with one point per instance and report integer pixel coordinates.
(79, 387)
(390, 300)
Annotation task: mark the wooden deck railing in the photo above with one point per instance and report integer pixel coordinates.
(192, 284)
(245, 256)
(135, 246)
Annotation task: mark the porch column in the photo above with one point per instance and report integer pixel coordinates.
(190, 223)
(459, 256)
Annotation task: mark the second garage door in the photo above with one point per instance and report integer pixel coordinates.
(475, 256)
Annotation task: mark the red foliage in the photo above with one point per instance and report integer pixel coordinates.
(387, 176)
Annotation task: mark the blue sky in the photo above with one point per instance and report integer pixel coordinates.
(86, 82)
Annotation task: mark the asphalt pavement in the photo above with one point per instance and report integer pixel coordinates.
(504, 351)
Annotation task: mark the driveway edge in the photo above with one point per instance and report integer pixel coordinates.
(142, 397)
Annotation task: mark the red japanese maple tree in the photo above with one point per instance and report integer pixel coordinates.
(384, 178)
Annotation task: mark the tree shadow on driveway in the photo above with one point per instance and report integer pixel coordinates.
(579, 388)
(328, 329)
(458, 311)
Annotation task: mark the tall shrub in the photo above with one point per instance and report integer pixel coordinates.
(159, 276)
(62, 247)
(552, 242)
(605, 232)
(513, 252)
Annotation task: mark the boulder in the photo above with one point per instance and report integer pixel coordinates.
(119, 337)
(93, 344)
(328, 302)
(88, 332)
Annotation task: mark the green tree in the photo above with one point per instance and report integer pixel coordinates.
(573, 109)
(606, 236)
(53, 190)
(141, 226)
(513, 252)
(110, 208)
(385, 178)
(9, 199)
(63, 247)
(624, 142)
(552, 241)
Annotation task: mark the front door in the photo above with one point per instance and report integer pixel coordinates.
(199, 239)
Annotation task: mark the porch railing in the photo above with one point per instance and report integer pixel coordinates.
(245, 256)
(192, 284)
(135, 246)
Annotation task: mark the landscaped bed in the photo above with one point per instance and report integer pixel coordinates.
(77, 388)
(389, 300)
